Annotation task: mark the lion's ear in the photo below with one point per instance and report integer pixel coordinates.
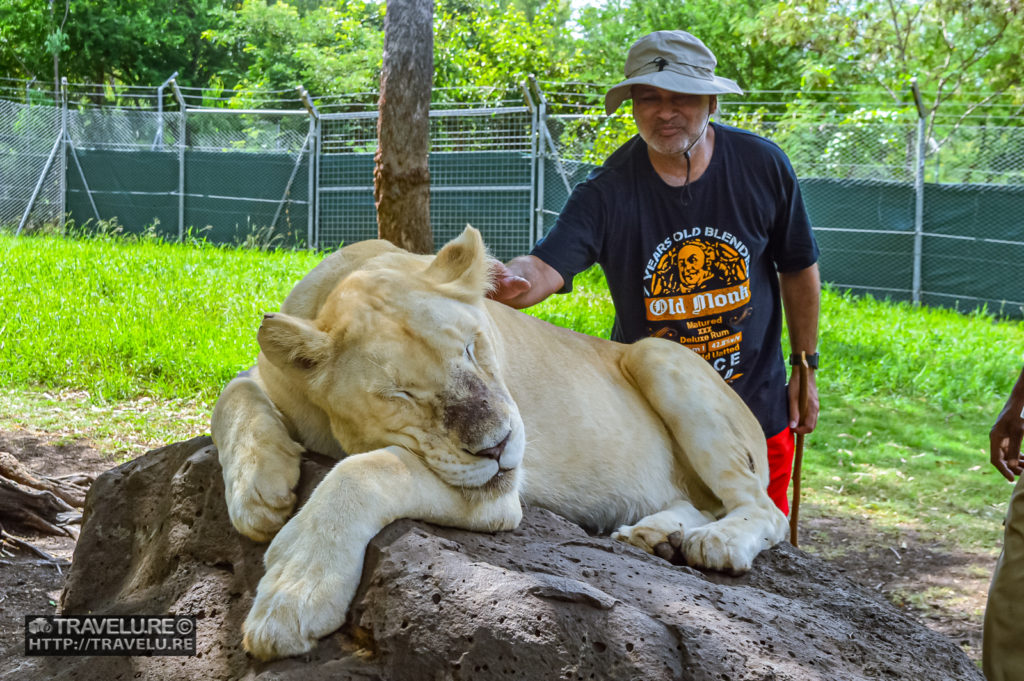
(291, 342)
(460, 267)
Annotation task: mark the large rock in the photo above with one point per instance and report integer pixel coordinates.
(546, 601)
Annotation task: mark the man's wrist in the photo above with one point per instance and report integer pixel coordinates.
(796, 360)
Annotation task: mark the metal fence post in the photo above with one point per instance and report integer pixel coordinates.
(181, 159)
(918, 195)
(62, 174)
(313, 139)
(72, 155)
(58, 144)
(318, 158)
(158, 141)
(541, 130)
(534, 158)
(39, 184)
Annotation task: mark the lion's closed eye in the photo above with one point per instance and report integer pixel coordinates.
(398, 394)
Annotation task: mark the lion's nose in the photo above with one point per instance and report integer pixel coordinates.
(493, 452)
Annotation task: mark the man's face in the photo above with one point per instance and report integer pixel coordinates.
(669, 121)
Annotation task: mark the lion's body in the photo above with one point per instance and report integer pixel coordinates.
(458, 407)
(600, 462)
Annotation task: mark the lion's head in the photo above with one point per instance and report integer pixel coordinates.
(403, 353)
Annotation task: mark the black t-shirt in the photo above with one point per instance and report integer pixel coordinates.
(696, 264)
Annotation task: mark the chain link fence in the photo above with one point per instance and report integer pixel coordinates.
(905, 207)
(480, 174)
(31, 165)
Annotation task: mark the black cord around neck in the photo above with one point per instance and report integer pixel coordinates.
(686, 195)
(686, 154)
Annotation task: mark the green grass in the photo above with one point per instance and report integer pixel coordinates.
(129, 318)
(908, 397)
(130, 341)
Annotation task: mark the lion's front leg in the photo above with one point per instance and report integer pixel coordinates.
(315, 562)
(259, 460)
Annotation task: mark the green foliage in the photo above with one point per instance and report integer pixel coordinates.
(331, 47)
(588, 309)
(729, 27)
(908, 396)
(953, 48)
(908, 462)
(490, 43)
(141, 42)
(958, 51)
(25, 28)
(935, 355)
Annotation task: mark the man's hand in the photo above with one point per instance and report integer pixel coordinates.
(1004, 441)
(507, 284)
(524, 281)
(1005, 437)
(803, 422)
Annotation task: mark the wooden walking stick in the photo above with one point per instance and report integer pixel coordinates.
(798, 458)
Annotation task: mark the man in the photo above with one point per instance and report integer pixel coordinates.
(1002, 652)
(701, 231)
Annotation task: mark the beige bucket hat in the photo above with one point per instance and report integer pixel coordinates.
(671, 60)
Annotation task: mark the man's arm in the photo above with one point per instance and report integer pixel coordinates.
(524, 281)
(1005, 436)
(801, 301)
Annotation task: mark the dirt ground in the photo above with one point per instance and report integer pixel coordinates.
(30, 585)
(943, 589)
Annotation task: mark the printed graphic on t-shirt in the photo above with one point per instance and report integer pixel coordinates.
(697, 292)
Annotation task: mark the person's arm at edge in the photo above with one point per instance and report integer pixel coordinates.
(524, 281)
(1005, 436)
(801, 301)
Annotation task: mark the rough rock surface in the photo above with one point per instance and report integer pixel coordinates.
(546, 601)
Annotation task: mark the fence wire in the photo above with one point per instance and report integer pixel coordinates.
(31, 165)
(281, 168)
(480, 174)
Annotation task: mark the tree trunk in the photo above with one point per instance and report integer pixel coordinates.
(401, 176)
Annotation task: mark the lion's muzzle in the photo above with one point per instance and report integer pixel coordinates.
(479, 415)
(494, 452)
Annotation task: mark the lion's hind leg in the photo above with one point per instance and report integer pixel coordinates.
(717, 440)
(662, 533)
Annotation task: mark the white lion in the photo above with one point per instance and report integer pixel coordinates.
(454, 409)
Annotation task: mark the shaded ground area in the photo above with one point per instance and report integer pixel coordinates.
(30, 585)
(945, 589)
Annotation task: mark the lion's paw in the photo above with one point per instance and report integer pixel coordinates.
(274, 628)
(304, 595)
(714, 548)
(711, 546)
(260, 494)
(660, 542)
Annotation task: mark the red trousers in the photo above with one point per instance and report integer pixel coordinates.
(780, 468)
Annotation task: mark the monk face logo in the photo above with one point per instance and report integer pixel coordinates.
(692, 265)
